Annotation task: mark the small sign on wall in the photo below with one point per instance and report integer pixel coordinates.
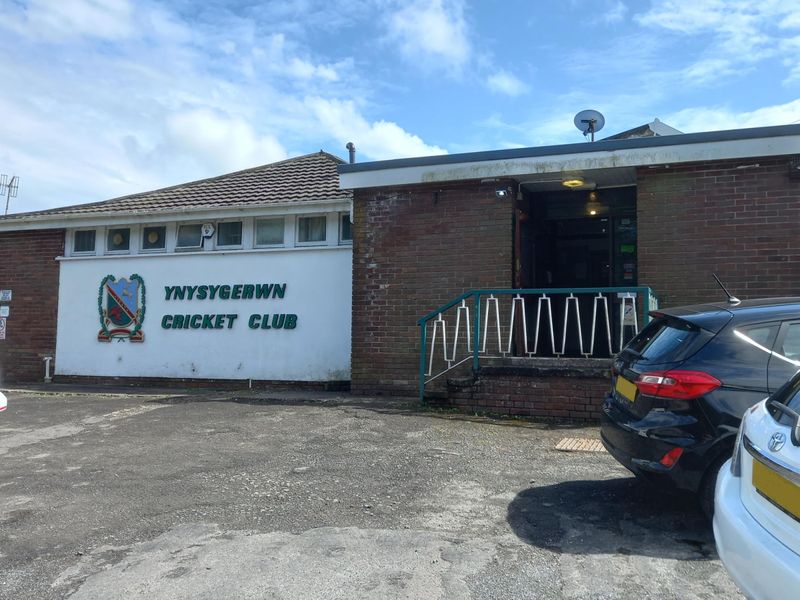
(4, 311)
(2, 328)
(5, 295)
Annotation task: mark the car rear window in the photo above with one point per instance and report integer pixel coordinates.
(666, 340)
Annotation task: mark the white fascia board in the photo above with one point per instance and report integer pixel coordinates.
(580, 161)
(71, 221)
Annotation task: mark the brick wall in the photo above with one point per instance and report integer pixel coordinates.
(573, 398)
(28, 268)
(712, 217)
(413, 250)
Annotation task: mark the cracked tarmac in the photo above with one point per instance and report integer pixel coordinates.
(128, 496)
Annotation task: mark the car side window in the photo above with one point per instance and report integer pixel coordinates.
(791, 342)
(763, 335)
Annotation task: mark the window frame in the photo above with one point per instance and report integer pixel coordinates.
(239, 246)
(129, 249)
(92, 252)
(161, 250)
(323, 242)
(282, 219)
(342, 240)
(179, 248)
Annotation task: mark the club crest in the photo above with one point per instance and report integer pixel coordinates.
(121, 307)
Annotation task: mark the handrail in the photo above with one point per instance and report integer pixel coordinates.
(484, 291)
(649, 302)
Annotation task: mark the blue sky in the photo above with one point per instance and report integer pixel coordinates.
(101, 98)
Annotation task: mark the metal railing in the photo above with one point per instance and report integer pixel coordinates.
(615, 315)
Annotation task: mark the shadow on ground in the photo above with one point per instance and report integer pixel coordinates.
(614, 516)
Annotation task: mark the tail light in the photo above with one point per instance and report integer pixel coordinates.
(677, 384)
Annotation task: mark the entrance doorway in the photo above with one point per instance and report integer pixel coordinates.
(580, 239)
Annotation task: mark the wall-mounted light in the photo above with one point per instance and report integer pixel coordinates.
(502, 192)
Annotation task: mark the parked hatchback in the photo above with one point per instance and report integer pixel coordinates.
(757, 516)
(680, 388)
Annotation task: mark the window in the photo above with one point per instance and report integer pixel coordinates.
(269, 232)
(118, 240)
(345, 231)
(311, 230)
(154, 239)
(229, 234)
(190, 237)
(83, 241)
(791, 343)
(667, 339)
(763, 335)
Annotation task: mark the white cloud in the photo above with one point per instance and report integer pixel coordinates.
(708, 70)
(277, 56)
(741, 32)
(791, 48)
(379, 140)
(429, 31)
(507, 83)
(106, 19)
(220, 142)
(713, 118)
(615, 12)
(98, 109)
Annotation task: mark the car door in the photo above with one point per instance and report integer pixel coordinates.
(785, 359)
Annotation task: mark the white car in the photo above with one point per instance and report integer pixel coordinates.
(3, 402)
(757, 500)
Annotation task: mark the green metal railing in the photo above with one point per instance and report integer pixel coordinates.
(630, 300)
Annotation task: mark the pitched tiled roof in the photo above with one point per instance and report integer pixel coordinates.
(308, 178)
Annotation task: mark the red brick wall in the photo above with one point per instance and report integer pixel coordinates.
(712, 217)
(415, 249)
(28, 268)
(548, 397)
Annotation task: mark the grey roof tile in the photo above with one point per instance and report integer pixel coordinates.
(308, 178)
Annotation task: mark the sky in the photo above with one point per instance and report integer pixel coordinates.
(103, 98)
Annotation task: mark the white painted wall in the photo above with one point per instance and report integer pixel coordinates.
(318, 290)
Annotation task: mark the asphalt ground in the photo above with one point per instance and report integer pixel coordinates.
(314, 496)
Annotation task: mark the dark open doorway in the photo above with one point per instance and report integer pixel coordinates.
(579, 239)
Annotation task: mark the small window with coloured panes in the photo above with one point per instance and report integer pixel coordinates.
(154, 238)
(118, 240)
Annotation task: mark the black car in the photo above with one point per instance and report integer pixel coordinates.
(681, 386)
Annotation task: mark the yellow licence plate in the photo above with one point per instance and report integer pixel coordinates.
(625, 388)
(776, 488)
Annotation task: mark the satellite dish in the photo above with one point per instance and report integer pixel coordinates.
(589, 121)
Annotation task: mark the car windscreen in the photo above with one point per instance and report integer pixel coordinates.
(666, 340)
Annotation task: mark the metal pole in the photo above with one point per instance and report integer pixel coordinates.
(423, 343)
(477, 330)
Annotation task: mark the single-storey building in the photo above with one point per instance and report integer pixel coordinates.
(240, 278)
(498, 281)
(572, 244)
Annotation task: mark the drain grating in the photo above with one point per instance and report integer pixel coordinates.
(580, 445)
